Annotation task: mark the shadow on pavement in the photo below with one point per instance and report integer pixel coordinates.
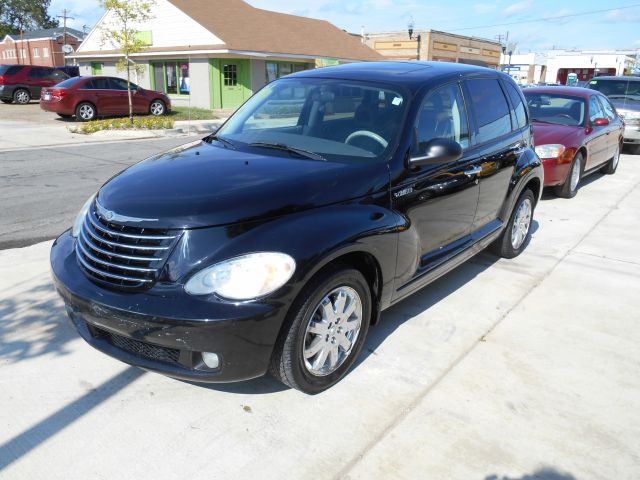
(21, 444)
(33, 323)
(545, 473)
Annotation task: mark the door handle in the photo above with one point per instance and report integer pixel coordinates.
(473, 171)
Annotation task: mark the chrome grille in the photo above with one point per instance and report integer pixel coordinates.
(122, 256)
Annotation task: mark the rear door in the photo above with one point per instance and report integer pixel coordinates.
(35, 80)
(100, 95)
(497, 133)
(598, 140)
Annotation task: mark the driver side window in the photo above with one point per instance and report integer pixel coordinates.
(595, 110)
(443, 115)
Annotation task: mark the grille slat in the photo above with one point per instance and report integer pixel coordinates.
(141, 349)
(122, 256)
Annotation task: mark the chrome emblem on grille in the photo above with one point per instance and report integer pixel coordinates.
(109, 215)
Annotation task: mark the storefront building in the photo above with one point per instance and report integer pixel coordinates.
(526, 68)
(436, 46)
(216, 53)
(587, 64)
(38, 47)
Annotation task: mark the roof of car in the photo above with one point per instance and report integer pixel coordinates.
(572, 91)
(410, 74)
(611, 77)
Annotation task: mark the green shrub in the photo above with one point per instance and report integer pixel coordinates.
(139, 123)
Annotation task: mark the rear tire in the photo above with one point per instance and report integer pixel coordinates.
(6, 100)
(21, 96)
(324, 331)
(570, 187)
(85, 112)
(517, 233)
(157, 108)
(612, 165)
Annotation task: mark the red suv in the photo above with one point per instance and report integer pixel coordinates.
(90, 97)
(21, 83)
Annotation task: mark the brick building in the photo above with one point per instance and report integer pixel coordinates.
(38, 47)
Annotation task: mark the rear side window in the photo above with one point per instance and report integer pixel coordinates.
(520, 119)
(38, 72)
(443, 115)
(120, 84)
(97, 84)
(70, 82)
(490, 108)
(9, 69)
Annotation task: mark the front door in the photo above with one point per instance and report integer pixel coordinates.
(233, 84)
(598, 140)
(439, 200)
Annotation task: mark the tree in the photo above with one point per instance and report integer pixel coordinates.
(120, 31)
(23, 15)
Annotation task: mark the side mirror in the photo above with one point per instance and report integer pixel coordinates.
(437, 151)
(600, 122)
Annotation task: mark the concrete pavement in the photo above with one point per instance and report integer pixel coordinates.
(502, 369)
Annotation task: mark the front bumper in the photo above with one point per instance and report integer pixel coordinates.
(555, 173)
(632, 134)
(164, 329)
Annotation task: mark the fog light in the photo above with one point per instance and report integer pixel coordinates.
(211, 360)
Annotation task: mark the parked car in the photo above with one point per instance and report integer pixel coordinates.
(22, 83)
(90, 97)
(275, 243)
(576, 132)
(624, 92)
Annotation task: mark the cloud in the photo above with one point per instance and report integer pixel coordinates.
(517, 8)
(484, 7)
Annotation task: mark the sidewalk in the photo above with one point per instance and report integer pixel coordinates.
(499, 369)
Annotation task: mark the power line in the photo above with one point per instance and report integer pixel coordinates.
(543, 19)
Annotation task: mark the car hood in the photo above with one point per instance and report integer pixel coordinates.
(546, 133)
(202, 185)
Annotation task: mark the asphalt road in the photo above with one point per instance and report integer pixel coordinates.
(41, 190)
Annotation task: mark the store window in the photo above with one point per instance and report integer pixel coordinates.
(280, 69)
(45, 51)
(36, 52)
(172, 77)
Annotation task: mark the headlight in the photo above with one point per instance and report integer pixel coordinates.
(244, 278)
(77, 224)
(550, 151)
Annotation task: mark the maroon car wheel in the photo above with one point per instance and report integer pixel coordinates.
(569, 188)
(157, 108)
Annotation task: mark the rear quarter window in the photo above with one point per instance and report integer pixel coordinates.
(70, 82)
(9, 69)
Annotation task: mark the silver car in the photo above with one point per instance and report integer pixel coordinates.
(624, 93)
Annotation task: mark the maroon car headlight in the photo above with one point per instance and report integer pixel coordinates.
(549, 151)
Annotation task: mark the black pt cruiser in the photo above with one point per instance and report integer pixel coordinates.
(275, 243)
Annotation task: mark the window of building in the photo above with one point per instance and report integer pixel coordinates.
(45, 51)
(443, 115)
(490, 107)
(280, 69)
(230, 75)
(36, 52)
(172, 77)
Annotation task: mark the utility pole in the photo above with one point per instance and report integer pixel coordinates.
(65, 16)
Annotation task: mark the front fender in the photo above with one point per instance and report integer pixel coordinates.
(314, 238)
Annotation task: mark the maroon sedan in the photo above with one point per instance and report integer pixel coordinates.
(90, 97)
(576, 132)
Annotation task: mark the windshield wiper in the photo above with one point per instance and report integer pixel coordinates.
(224, 141)
(289, 148)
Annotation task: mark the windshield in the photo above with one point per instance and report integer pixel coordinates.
(556, 108)
(617, 89)
(339, 120)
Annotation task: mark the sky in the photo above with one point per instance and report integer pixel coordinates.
(616, 28)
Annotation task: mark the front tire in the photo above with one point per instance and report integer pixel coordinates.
(517, 233)
(157, 108)
(325, 331)
(21, 96)
(85, 112)
(570, 187)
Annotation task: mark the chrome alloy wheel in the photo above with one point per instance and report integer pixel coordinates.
(86, 112)
(616, 157)
(575, 175)
(332, 331)
(521, 224)
(157, 108)
(22, 97)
